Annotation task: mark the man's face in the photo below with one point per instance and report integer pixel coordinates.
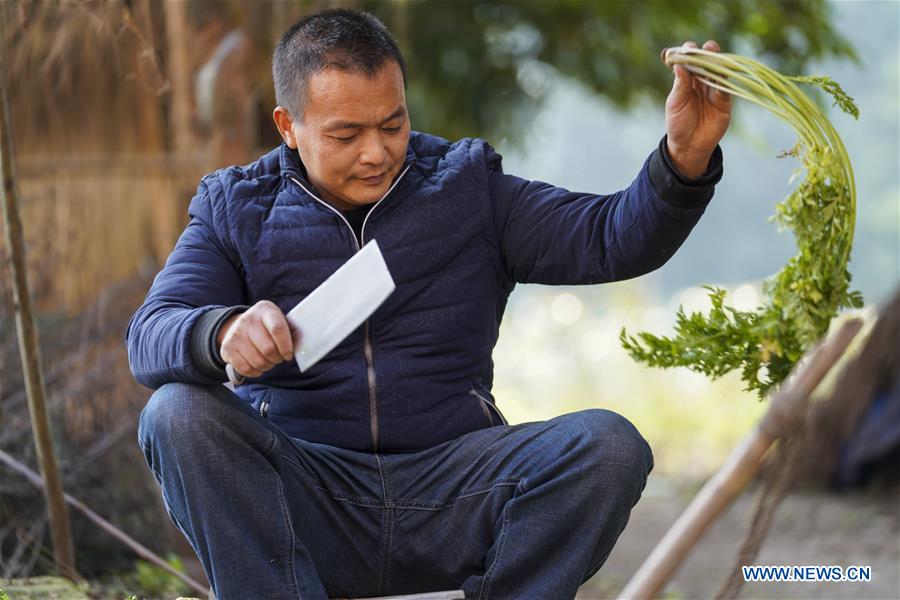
(353, 134)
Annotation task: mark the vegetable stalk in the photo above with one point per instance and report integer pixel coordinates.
(801, 299)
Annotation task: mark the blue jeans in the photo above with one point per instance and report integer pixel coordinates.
(522, 511)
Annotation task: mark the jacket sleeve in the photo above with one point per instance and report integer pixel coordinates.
(197, 286)
(550, 235)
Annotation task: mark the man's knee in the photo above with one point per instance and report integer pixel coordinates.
(616, 442)
(175, 412)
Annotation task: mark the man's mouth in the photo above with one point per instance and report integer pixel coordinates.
(374, 180)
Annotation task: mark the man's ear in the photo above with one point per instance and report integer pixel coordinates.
(285, 124)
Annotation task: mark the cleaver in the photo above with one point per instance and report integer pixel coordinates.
(337, 307)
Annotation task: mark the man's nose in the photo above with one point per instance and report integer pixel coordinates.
(374, 151)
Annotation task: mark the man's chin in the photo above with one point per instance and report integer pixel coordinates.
(362, 194)
(357, 194)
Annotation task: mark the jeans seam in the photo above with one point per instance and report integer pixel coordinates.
(499, 482)
(485, 590)
(301, 467)
(419, 505)
(588, 572)
(293, 582)
(268, 453)
(178, 525)
(355, 502)
(386, 527)
(335, 495)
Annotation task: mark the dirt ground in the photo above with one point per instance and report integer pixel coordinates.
(809, 529)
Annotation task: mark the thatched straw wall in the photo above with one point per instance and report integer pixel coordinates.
(92, 223)
(87, 87)
(92, 98)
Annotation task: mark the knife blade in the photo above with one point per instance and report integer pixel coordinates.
(340, 304)
(336, 308)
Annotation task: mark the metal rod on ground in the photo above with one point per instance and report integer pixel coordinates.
(63, 551)
(114, 531)
(786, 412)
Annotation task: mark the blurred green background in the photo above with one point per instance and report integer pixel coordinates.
(558, 349)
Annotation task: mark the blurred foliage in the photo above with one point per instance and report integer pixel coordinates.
(475, 67)
(481, 68)
(550, 362)
(155, 582)
(144, 580)
(43, 588)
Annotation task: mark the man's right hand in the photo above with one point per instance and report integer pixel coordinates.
(254, 341)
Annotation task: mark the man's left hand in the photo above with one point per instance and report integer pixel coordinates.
(697, 117)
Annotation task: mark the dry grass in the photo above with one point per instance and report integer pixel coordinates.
(90, 224)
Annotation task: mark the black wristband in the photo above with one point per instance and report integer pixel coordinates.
(204, 348)
(681, 191)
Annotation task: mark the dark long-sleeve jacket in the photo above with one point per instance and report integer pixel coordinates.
(457, 235)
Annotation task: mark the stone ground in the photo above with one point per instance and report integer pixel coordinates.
(809, 529)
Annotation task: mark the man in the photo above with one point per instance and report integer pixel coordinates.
(387, 467)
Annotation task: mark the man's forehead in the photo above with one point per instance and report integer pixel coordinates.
(333, 83)
(342, 97)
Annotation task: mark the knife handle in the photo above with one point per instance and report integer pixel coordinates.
(234, 378)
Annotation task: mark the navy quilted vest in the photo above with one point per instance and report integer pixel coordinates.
(429, 344)
(456, 235)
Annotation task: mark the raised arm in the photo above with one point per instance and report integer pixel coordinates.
(550, 235)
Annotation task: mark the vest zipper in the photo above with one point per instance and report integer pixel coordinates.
(490, 405)
(368, 350)
(370, 377)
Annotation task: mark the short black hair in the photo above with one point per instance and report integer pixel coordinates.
(339, 38)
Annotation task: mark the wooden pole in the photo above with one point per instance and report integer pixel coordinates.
(787, 410)
(63, 551)
(150, 78)
(179, 70)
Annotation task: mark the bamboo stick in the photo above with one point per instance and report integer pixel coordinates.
(787, 410)
(111, 529)
(63, 550)
(179, 69)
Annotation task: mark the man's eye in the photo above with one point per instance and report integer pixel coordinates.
(391, 129)
(345, 139)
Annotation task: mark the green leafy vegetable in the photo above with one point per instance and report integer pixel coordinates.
(813, 286)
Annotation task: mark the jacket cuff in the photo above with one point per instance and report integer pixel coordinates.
(678, 190)
(204, 349)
